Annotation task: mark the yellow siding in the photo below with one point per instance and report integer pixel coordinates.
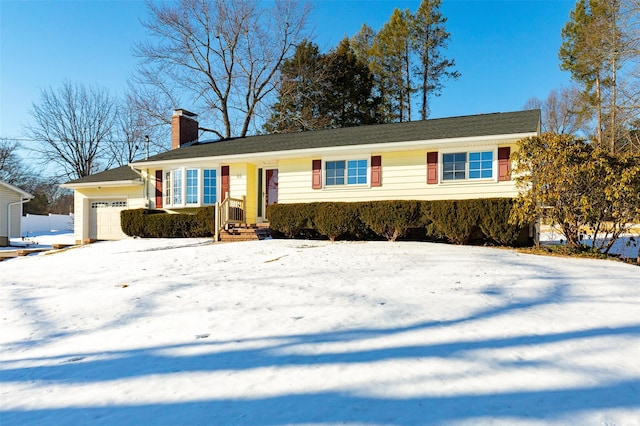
(238, 180)
(403, 178)
(251, 207)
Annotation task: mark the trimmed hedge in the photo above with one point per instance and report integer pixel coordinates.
(456, 221)
(149, 223)
(390, 219)
(334, 220)
(291, 221)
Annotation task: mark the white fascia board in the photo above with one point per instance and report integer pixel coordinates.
(376, 147)
(23, 194)
(110, 183)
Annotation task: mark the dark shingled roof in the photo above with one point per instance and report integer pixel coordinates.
(122, 173)
(439, 128)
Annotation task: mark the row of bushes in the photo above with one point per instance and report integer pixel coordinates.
(456, 221)
(159, 224)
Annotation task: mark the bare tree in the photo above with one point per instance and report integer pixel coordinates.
(562, 111)
(12, 169)
(133, 137)
(222, 55)
(72, 123)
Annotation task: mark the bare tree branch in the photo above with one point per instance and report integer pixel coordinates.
(222, 56)
(72, 124)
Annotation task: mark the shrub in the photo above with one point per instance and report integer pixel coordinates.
(335, 219)
(494, 221)
(455, 219)
(290, 219)
(205, 218)
(158, 224)
(133, 222)
(390, 219)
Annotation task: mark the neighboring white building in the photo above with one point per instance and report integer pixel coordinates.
(11, 200)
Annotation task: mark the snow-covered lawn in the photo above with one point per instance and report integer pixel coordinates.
(282, 332)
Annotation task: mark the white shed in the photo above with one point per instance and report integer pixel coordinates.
(11, 200)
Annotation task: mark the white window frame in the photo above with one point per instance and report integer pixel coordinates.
(467, 151)
(169, 188)
(346, 159)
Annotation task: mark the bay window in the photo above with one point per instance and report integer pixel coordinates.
(190, 187)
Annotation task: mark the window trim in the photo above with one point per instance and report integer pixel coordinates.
(467, 151)
(169, 187)
(346, 159)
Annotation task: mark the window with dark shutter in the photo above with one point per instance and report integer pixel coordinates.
(432, 167)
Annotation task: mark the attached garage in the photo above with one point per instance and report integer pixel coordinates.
(99, 199)
(104, 219)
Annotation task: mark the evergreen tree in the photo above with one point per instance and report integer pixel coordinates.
(301, 91)
(391, 63)
(429, 38)
(362, 43)
(591, 51)
(319, 91)
(349, 100)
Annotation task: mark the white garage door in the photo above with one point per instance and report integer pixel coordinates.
(104, 219)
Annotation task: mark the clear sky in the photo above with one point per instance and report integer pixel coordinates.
(506, 51)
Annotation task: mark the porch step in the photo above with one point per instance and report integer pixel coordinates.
(245, 232)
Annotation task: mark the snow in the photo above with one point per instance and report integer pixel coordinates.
(279, 332)
(44, 240)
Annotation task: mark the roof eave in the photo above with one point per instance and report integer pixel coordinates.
(374, 147)
(134, 182)
(23, 194)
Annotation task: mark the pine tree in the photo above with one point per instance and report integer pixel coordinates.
(349, 100)
(429, 38)
(391, 64)
(591, 51)
(301, 90)
(319, 91)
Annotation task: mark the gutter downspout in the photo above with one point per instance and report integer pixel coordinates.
(15, 203)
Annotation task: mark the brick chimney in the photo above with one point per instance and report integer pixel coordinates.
(184, 128)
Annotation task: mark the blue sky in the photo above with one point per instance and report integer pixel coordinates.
(506, 50)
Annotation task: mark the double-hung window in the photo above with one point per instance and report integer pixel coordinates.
(346, 172)
(467, 165)
(190, 187)
(178, 190)
(454, 166)
(481, 165)
(209, 186)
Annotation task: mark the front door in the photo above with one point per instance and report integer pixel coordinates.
(271, 188)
